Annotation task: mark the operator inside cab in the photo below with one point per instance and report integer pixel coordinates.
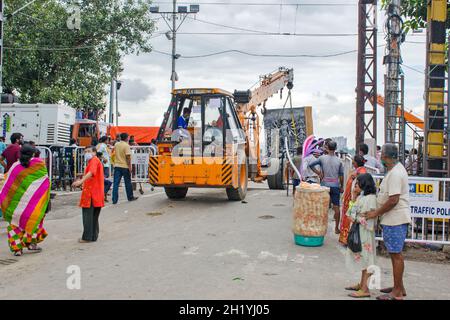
(183, 120)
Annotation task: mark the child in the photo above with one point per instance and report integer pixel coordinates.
(366, 201)
(107, 182)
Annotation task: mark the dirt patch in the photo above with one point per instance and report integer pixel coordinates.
(267, 216)
(154, 214)
(419, 252)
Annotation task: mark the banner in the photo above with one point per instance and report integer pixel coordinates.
(430, 209)
(423, 190)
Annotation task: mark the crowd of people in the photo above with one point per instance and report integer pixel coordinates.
(25, 197)
(25, 194)
(356, 202)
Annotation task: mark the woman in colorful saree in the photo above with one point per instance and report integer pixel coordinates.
(24, 199)
(358, 164)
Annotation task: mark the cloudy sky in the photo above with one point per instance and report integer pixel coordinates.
(327, 84)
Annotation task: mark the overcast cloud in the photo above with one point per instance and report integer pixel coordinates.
(326, 84)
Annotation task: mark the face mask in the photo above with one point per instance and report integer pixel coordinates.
(88, 156)
(384, 163)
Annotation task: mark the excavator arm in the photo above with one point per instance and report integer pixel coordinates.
(247, 103)
(409, 117)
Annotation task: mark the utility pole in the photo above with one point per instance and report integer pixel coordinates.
(118, 85)
(394, 119)
(111, 100)
(174, 76)
(172, 16)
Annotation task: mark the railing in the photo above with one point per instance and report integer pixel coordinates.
(139, 163)
(430, 210)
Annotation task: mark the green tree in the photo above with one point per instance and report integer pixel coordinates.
(47, 62)
(414, 13)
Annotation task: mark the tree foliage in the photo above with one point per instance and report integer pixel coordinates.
(414, 13)
(46, 62)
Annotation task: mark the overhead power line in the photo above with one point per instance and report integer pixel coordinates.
(272, 34)
(263, 55)
(300, 4)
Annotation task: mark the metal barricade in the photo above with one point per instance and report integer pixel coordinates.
(139, 163)
(79, 163)
(430, 210)
(46, 154)
(64, 165)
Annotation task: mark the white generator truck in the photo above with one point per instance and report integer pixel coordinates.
(45, 124)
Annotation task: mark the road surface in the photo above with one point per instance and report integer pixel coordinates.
(203, 247)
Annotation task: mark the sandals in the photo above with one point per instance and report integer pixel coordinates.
(359, 294)
(356, 287)
(389, 290)
(34, 248)
(18, 253)
(388, 296)
(83, 241)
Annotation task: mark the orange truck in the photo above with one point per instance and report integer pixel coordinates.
(88, 132)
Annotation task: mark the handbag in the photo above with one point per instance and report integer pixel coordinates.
(354, 238)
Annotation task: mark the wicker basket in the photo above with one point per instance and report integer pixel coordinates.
(311, 204)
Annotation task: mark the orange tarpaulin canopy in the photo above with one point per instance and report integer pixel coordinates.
(142, 135)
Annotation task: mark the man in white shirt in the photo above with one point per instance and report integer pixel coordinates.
(307, 174)
(370, 161)
(394, 210)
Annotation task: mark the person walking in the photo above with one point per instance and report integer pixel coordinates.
(394, 210)
(122, 168)
(297, 162)
(92, 196)
(332, 176)
(24, 201)
(366, 202)
(358, 164)
(12, 152)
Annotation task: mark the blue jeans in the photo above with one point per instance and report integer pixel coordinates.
(118, 174)
(107, 183)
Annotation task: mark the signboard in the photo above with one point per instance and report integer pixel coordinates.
(6, 124)
(430, 209)
(423, 190)
(140, 159)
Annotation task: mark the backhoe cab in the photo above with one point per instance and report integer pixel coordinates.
(200, 144)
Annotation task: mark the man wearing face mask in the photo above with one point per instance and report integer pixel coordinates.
(92, 196)
(12, 152)
(394, 210)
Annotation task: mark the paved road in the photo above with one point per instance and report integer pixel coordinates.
(204, 247)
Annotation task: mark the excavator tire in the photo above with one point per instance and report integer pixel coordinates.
(278, 180)
(240, 192)
(175, 193)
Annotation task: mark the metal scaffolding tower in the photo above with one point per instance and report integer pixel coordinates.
(436, 153)
(366, 90)
(394, 120)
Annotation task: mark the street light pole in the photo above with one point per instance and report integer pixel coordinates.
(118, 85)
(183, 12)
(111, 101)
(174, 42)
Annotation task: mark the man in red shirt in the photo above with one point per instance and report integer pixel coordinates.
(12, 152)
(92, 196)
